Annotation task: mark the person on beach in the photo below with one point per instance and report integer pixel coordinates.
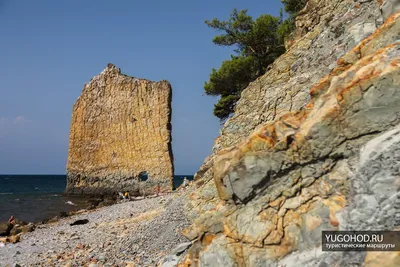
(12, 220)
(126, 195)
(10, 224)
(185, 182)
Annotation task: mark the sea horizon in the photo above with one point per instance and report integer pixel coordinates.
(38, 197)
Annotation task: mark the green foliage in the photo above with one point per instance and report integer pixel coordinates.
(292, 7)
(257, 44)
(286, 28)
(257, 38)
(225, 106)
(232, 77)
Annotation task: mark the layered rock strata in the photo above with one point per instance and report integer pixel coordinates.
(302, 155)
(120, 137)
(326, 30)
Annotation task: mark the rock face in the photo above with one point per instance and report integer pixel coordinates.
(120, 137)
(326, 30)
(389, 7)
(311, 147)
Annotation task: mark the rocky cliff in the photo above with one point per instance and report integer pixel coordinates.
(311, 147)
(120, 137)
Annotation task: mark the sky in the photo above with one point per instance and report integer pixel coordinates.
(50, 49)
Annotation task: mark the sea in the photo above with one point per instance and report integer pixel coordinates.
(34, 198)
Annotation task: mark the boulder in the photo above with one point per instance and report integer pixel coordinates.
(30, 227)
(7, 229)
(16, 230)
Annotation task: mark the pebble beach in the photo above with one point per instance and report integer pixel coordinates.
(135, 233)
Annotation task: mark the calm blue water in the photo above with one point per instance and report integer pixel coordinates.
(33, 198)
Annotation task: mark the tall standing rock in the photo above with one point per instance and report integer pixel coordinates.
(120, 137)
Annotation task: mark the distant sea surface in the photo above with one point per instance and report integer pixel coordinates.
(34, 198)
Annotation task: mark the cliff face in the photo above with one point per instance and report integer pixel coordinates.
(310, 148)
(120, 131)
(326, 30)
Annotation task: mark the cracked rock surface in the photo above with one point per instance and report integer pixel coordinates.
(285, 169)
(120, 130)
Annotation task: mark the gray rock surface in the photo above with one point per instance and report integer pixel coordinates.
(374, 202)
(181, 248)
(285, 163)
(389, 7)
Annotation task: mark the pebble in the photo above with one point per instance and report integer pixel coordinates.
(107, 240)
(101, 258)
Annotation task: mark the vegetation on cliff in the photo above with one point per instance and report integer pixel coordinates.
(257, 44)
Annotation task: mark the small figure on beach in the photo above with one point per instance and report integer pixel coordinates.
(143, 193)
(185, 182)
(12, 220)
(10, 224)
(126, 195)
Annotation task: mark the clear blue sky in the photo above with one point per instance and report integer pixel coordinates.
(50, 49)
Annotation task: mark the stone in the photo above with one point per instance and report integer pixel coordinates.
(101, 257)
(217, 254)
(242, 171)
(362, 30)
(79, 222)
(5, 229)
(389, 7)
(376, 196)
(14, 239)
(120, 137)
(28, 228)
(279, 91)
(286, 170)
(382, 259)
(63, 214)
(181, 248)
(170, 261)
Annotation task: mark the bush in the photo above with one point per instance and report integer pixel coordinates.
(257, 44)
(292, 7)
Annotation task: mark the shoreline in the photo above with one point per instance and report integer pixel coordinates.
(43, 198)
(59, 204)
(93, 204)
(131, 226)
